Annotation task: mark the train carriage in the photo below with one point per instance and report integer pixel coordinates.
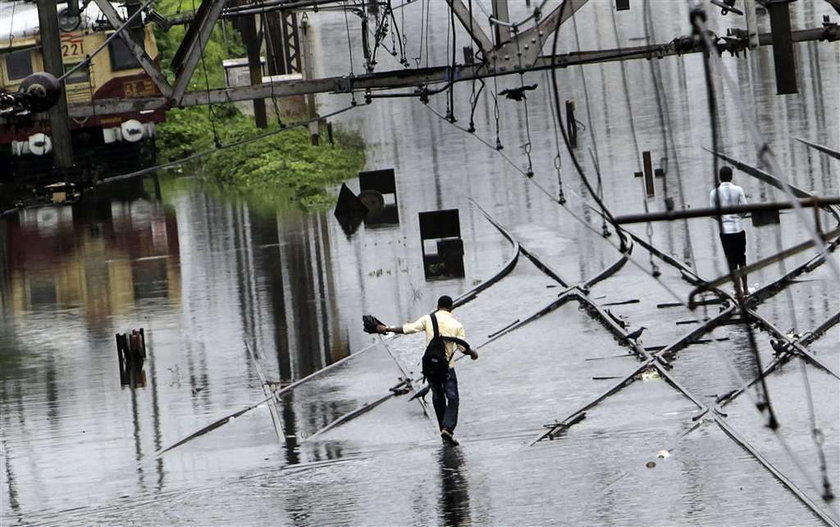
(103, 145)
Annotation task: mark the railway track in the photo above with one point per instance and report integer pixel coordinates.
(661, 361)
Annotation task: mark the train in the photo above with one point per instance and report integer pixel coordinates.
(103, 145)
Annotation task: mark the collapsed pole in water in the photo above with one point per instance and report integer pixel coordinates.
(274, 395)
(743, 271)
(459, 301)
(713, 212)
(791, 351)
(419, 394)
(824, 149)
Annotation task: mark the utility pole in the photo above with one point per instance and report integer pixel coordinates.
(783, 55)
(752, 23)
(311, 110)
(248, 28)
(51, 49)
(501, 13)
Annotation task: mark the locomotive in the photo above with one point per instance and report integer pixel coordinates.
(103, 145)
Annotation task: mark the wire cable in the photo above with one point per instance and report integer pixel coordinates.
(622, 249)
(668, 140)
(350, 49)
(556, 92)
(765, 153)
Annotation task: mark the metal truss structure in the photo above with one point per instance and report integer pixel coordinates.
(513, 49)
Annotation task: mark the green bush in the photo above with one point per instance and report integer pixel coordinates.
(282, 168)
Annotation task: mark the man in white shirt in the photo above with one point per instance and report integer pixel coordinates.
(732, 235)
(444, 394)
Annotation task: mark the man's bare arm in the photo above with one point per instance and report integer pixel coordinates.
(389, 329)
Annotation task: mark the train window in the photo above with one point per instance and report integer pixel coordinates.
(18, 65)
(121, 57)
(80, 75)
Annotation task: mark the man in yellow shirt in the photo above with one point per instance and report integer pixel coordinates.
(444, 394)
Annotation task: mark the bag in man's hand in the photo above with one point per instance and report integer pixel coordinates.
(370, 323)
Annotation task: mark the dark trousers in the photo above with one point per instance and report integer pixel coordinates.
(735, 248)
(445, 400)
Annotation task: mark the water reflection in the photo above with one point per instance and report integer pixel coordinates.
(100, 255)
(454, 488)
(204, 274)
(742, 357)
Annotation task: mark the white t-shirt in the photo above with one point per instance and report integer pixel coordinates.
(730, 195)
(447, 325)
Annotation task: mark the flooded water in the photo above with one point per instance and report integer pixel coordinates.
(235, 302)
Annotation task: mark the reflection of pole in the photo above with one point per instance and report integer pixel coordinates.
(158, 436)
(752, 23)
(4, 276)
(308, 67)
(156, 181)
(51, 49)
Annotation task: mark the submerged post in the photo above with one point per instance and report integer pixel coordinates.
(650, 188)
(571, 123)
(443, 227)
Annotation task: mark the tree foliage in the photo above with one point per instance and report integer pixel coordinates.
(281, 168)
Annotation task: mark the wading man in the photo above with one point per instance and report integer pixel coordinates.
(732, 235)
(444, 390)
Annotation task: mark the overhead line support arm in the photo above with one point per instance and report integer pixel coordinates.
(192, 47)
(471, 25)
(414, 78)
(135, 48)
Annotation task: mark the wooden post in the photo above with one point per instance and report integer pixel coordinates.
(650, 188)
(53, 63)
(308, 73)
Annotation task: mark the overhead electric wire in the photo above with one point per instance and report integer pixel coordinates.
(506, 157)
(575, 162)
(528, 145)
(664, 113)
(731, 367)
(210, 113)
(266, 33)
(12, 26)
(763, 403)
(765, 153)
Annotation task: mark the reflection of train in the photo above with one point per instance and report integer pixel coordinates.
(101, 256)
(112, 143)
